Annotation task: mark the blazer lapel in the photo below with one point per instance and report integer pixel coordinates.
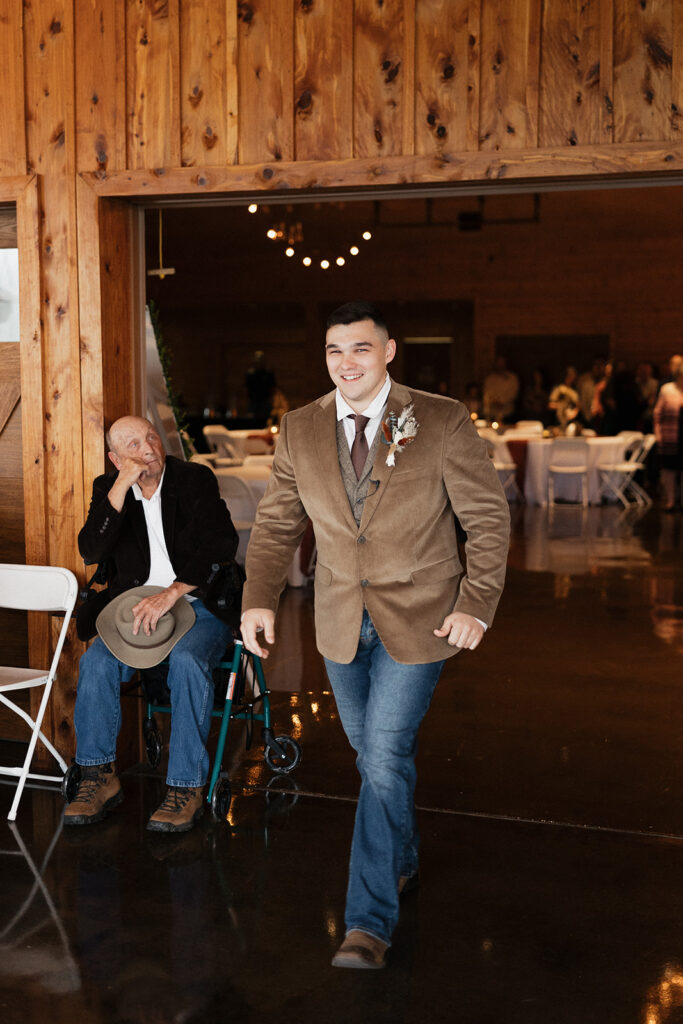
(325, 426)
(399, 397)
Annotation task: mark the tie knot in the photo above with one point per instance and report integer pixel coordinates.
(360, 421)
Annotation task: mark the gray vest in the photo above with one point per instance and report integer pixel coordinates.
(356, 490)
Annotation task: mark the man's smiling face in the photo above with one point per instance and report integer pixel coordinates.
(357, 355)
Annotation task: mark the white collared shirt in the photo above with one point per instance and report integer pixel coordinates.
(161, 572)
(373, 412)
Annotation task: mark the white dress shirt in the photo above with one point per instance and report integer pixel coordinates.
(161, 572)
(373, 412)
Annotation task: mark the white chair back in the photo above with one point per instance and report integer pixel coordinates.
(218, 440)
(239, 497)
(569, 453)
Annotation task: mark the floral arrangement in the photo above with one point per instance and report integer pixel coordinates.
(398, 431)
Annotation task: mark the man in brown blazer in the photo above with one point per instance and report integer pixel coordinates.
(383, 471)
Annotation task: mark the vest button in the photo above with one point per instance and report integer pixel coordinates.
(365, 583)
(361, 540)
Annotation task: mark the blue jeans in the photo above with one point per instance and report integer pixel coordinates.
(381, 704)
(97, 717)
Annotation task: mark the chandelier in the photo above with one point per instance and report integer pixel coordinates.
(324, 253)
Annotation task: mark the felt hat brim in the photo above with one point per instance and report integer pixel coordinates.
(115, 627)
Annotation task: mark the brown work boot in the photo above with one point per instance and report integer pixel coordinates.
(99, 791)
(360, 950)
(179, 810)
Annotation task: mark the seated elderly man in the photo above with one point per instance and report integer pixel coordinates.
(158, 522)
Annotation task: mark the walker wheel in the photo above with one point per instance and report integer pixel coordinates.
(152, 741)
(221, 797)
(288, 760)
(70, 782)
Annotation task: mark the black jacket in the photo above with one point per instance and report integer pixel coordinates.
(198, 531)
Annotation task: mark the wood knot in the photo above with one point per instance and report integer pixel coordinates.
(245, 12)
(573, 139)
(431, 119)
(441, 131)
(94, 99)
(305, 101)
(209, 138)
(391, 72)
(196, 97)
(378, 136)
(306, 6)
(55, 27)
(448, 71)
(144, 40)
(658, 54)
(268, 173)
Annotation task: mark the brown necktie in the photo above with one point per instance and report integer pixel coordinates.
(359, 449)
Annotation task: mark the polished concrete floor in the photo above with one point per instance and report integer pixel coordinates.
(551, 796)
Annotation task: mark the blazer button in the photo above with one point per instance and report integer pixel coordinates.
(136, 583)
(365, 583)
(361, 540)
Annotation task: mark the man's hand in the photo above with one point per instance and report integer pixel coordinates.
(149, 610)
(258, 620)
(462, 630)
(130, 472)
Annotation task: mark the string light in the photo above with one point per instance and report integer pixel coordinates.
(252, 208)
(340, 261)
(324, 264)
(289, 251)
(367, 235)
(306, 261)
(272, 233)
(354, 250)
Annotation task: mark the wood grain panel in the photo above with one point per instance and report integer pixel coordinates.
(379, 71)
(231, 82)
(8, 228)
(153, 83)
(484, 170)
(677, 73)
(12, 136)
(13, 624)
(100, 84)
(643, 61)
(447, 36)
(203, 80)
(571, 107)
(323, 81)
(266, 80)
(510, 48)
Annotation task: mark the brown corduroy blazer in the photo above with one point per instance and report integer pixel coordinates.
(402, 563)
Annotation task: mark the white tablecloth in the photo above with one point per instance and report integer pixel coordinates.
(568, 486)
(238, 440)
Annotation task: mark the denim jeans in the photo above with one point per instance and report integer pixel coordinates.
(381, 704)
(97, 717)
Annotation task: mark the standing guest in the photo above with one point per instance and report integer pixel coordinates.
(668, 424)
(674, 362)
(564, 399)
(385, 473)
(501, 388)
(648, 389)
(158, 522)
(603, 406)
(535, 398)
(586, 385)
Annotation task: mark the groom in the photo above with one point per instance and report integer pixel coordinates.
(383, 471)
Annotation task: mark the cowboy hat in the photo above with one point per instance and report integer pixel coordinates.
(115, 626)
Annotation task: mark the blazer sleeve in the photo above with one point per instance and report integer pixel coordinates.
(103, 525)
(277, 532)
(214, 537)
(479, 502)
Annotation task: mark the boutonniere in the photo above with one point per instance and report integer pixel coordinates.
(398, 431)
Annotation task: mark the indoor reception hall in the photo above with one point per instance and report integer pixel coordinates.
(194, 297)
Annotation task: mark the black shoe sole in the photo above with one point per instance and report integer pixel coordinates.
(92, 819)
(168, 826)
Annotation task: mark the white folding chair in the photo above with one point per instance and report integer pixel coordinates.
(35, 588)
(506, 468)
(568, 457)
(241, 502)
(218, 440)
(617, 478)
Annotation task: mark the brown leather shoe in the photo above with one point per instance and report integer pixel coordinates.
(99, 791)
(360, 950)
(179, 810)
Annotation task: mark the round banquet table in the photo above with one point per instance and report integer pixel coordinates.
(568, 486)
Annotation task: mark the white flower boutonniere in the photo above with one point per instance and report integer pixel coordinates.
(398, 431)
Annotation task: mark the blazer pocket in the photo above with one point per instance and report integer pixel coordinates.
(323, 575)
(437, 572)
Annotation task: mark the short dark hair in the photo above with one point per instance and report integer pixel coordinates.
(352, 312)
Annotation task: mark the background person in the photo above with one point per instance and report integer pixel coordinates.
(668, 429)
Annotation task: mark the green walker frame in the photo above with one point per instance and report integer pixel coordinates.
(281, 753)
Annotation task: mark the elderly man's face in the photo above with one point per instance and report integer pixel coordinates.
(135, 438)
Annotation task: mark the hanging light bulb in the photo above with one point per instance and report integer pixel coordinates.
(306, 261)
(354, 250)
(272, 233)
(289, 251)
(252, 208)
(324, 264)
(367, 235)
(340, 261)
